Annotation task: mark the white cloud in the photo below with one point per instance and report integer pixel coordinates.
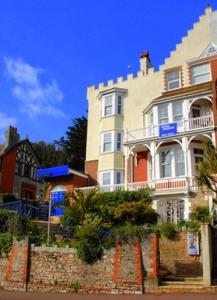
(34, 97)
(5, 121)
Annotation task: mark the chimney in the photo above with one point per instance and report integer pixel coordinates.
(145, 62)
(208, 9)
(11, 137)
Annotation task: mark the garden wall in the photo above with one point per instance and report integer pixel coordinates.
(120, 270)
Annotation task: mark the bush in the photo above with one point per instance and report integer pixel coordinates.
(168, 230)
(89, 246)
(6, 241)
(5, 216)
(7, 198)
(201, 214)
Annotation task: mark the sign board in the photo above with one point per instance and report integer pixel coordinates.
(168, 129)
(53, 172)
(193, 243)
(57, 199)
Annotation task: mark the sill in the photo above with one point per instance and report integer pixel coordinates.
(113, 115)
(110, 152)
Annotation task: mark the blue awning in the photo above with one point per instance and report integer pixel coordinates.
(53, 172)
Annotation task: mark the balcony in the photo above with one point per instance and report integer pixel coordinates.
(160, 186)
(183, 126)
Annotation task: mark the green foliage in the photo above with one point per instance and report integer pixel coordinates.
(75, 286)
(6, 241)
(49, 155)
(191, 225)
(201, 214)
(127, 233)
(5, 216)
(7, 198)
(74, 143)
(168, 230)
(97, 219)
(207, 168)
(89, 246)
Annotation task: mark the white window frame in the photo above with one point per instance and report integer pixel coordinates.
(116, 105)
(199, 74)
(173, 80)
(113, 177)
(179, 162)
(116, 141)
(166, 105)
(107, 142)
(173, 162)
(177, 117)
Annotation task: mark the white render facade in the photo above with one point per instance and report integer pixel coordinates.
(149, 130)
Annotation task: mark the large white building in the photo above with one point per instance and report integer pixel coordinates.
(148, 130)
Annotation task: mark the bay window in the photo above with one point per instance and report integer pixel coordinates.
(112, 105)
(111, 177)
(111, 141)
(172, 163)
(180, 163)
(166, 170)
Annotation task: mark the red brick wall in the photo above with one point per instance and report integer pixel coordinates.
(69, 182)
(141, 167)
(27, 187)
(91, 169)
(8, 168)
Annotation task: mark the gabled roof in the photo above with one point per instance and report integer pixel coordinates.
(8, 150)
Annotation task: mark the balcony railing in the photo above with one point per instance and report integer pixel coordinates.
(159, 185)
(181, 127)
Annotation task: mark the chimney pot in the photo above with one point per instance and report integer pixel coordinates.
(144, 54)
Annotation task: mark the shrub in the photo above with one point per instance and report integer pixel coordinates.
(89, 246)
(168, 230)
(7, 198)
(6, 241)
(201, 214)
(5, 216)
(75, 286)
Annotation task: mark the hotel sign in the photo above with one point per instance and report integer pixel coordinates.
(168, 129)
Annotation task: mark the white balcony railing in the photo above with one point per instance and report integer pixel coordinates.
(182, 126)
(159, 185)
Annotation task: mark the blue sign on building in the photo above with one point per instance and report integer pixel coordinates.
(168, 129)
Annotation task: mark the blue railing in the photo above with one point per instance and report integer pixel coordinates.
(25, 209)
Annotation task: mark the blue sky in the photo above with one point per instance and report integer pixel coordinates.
(50, 51)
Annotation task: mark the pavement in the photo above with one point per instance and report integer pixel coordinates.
(51, 296)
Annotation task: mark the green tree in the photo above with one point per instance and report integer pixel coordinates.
(74, 143)
(207, 169)
(49, 155)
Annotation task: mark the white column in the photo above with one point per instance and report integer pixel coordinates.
(126, 167)
(153, 159)
(184, 148)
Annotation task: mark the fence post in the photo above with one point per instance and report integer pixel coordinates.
(206, 253)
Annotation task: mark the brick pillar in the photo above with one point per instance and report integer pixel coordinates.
(151, 280)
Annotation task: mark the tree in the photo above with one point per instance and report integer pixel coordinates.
(48, 154)
(74, 143)
(207, 169)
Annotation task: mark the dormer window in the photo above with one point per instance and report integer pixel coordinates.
(200, 73)
(173, 80)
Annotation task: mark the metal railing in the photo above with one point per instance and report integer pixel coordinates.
(182, 126)
(159, 185)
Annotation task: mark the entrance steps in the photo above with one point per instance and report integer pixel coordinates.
(181, 284)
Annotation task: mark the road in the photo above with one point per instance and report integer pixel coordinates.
(47, 296)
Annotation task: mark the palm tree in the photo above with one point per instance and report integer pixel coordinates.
(207, 169)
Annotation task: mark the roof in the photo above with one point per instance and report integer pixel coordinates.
(58, 171)
(8, 150)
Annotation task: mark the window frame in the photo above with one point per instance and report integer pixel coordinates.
(200, 74)
(173, 80)
(164, 118)
(180, 116)
(116, 105)
(113, 177)
(116, 141)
